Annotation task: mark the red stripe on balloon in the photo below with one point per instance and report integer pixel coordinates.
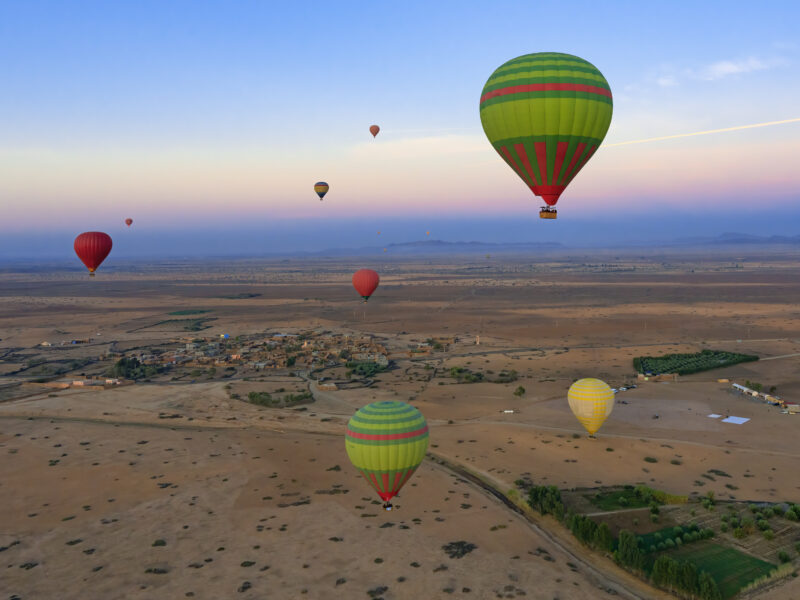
(546, 87)
(583, 162)
(387, 436)
(561, 152)
(575, 157)
(510, 160)
(520, 148)
(541, 158)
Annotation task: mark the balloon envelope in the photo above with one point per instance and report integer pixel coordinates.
(128, 222)
(374, 129)
(365, 281)
(92, 247)
(321, 188)
(591, 401)
(386, 441)
(546, 114)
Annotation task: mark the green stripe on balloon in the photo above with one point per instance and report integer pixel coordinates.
(546, 94)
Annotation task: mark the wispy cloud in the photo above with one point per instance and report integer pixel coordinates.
(726, 68)
(667, 81)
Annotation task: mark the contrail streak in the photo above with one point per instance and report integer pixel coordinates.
(681, 135)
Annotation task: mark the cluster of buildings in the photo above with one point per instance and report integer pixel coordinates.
(88, 383)
(789, 407)
(270, 351)
(46, 344)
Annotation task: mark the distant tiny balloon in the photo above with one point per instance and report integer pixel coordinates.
(129, 222)
(374, 129)
(321, 188)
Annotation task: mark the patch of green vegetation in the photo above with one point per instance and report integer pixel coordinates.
(188, 324)
(365, 369)
(187, 312)
(731, 569)
(241, 296)
(131, 368)
(266, 399)
(685, 364)
(464, 375)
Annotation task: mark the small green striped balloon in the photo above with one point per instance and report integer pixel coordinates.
(546, 114)
(386, 442)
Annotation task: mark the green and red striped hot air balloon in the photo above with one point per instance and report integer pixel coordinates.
(386, 442)
(546, 114)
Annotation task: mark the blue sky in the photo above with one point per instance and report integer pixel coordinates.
(215, 114)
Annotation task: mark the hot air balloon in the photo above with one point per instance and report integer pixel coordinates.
(386, 441)
(321, 188)
(128, 222)
(427, 233)
(365, 281)
(92, 247)
(546, 114)
(374, 129)
(591, 401)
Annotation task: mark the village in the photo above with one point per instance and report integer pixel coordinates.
(225, 355)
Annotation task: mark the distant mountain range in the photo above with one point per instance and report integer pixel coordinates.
(738, 238)
(429, 247)
(438, 247)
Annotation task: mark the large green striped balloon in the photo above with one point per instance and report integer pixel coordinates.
(387, 441)
(546, 114)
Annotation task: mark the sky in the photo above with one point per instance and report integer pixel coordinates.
(216, 118)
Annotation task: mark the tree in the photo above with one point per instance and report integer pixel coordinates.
(603, 540)
(628, 552)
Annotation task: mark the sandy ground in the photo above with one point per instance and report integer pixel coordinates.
(215, 475)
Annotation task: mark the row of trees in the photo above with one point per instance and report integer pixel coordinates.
(677, 576)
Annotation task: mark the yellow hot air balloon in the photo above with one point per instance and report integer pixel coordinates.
(591, 401)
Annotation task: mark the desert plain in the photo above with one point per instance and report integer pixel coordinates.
(176, 486)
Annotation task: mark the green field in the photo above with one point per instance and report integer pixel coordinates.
(731, 569)
(183, 313)
(617, 500)
(685, 364)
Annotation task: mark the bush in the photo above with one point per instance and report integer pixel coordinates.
(650, 459)
(519, 391)
(769, 534)
(783, 556)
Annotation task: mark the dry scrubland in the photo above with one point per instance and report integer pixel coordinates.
(175, 489)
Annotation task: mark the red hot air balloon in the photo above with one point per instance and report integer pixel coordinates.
(129, 222)
(365, 281)
(374, 129)
(92, 248)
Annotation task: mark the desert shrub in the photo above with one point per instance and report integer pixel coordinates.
(650, 459)
(783, 556)
(769, 534)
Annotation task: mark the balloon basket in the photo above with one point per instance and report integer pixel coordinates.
(387, 507)
(548, 213)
